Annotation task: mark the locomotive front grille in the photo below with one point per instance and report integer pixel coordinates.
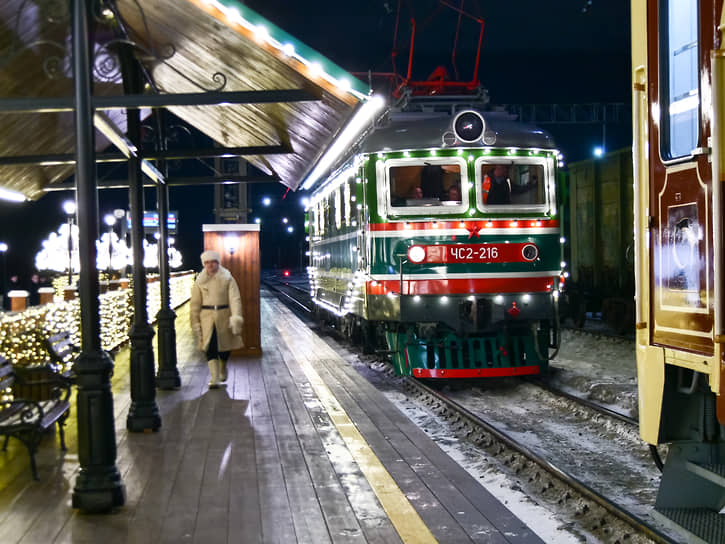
(453, 356)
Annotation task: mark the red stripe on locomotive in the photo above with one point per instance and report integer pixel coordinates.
(466, 286)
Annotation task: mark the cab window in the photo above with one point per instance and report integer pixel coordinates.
(508, 183)
(418, 186)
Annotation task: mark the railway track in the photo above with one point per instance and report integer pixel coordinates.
(591, 512)
(544, 480)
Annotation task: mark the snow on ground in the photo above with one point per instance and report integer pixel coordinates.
(540, 519)
(602, 369)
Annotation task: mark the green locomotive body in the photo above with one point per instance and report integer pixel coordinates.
(439, 240)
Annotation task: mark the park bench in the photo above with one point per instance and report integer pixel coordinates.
(61, 350)
(41, 398)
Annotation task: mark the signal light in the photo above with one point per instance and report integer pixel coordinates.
(285, 273)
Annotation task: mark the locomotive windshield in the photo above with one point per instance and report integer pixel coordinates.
(418, 184)
(509, 183)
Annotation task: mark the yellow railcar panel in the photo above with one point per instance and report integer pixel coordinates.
(650, 385)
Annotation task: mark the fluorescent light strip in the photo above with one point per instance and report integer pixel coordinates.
(12, 196)
(342, 143)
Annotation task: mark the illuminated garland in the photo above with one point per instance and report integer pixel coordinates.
(22, 333)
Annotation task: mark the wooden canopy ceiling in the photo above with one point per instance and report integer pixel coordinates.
(187, 46)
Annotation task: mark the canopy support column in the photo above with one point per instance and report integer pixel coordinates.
(168, 374)
(98, 487)
(143, 415)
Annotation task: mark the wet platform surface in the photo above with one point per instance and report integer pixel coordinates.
(298, 447)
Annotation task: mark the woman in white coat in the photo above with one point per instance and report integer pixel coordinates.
(216, 315)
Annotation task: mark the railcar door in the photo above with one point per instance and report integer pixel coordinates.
(681, 244)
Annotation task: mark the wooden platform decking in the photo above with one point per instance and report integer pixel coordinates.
(297, 448)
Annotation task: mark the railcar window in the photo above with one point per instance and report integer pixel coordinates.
(428, 185)
(322, 214)
(507, 183)
(315, 220)
(337, 205)
(347, 198)
(680, 68)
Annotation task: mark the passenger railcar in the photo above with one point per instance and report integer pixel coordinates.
(438, 240)
(678, 76)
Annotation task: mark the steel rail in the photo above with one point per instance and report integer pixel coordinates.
(539, 382)
(580, 487)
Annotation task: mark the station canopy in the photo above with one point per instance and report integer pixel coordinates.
(302, 100)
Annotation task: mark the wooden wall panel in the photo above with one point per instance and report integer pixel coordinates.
(242, 260)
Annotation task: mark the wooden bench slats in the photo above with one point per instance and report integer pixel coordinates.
(41, 398)
(60, 349)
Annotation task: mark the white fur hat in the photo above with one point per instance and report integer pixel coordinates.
(210, 255)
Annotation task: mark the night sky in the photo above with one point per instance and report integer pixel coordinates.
(534, 52)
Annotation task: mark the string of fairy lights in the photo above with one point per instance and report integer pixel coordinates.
(22, 333)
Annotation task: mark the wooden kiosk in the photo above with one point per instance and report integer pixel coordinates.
(238, 245)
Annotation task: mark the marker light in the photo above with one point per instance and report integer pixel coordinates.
(529, 252)
(416, 254)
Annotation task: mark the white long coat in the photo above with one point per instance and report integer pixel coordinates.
(217, 290)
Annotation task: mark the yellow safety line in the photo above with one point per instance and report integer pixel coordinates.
(404, 517)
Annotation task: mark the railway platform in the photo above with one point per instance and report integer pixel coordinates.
(298, 447)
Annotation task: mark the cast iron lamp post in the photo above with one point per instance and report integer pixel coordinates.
(110, 220)
(70, 210)
(4, 251)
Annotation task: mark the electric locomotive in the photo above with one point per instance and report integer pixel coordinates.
(438, 241)
(678, 64)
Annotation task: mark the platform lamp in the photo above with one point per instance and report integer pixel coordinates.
(4, 251)
(69, 206)
(231, 243)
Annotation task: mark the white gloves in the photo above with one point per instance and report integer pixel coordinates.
(235, 323)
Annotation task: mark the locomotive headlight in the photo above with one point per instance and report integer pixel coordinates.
(468, 126)
(526, 298)
(416, 254)
(530, 252)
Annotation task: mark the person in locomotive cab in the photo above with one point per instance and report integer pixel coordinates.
(216, 315)
(497, 186)
(431, 181)
(432, 176)
(416, 193)
(454, 193)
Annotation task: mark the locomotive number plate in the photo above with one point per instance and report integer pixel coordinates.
(475, 253)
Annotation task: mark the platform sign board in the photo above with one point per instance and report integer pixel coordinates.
(151, 222)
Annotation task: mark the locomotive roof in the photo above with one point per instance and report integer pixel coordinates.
(420, 130)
